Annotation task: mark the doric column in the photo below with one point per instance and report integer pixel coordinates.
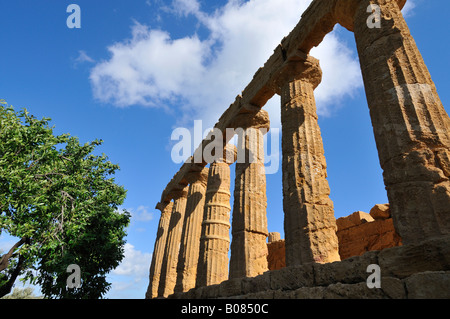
(169, 266)
(192, 227)
(309, 223)
(273, 237)
(411, 126)
(249, 221)
(158, 251)
(215, 238)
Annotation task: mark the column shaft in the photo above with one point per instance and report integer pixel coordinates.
(249, 223)
(310, 226)
(158, 251)
(169, 266)
(411, 126)
(190, 246)
(215, 239)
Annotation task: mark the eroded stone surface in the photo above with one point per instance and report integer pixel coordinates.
(158, 251)
(410, 124)
(355, 219)
(249, 223)
(310, 226)
(380, 211)
(192, 227)
(169, 263)
(215, 239)
(375, 235)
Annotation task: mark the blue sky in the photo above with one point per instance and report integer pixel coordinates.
(136, 70)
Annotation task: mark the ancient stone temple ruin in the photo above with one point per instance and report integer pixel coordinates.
(194, 255)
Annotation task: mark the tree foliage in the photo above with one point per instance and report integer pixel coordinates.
(61, 201)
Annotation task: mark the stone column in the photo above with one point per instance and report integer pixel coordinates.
(215, 239)
(169, 266)
(158, 251)
(249, 221)
(411, 126)
(190, 245)
(309, 223)
(273, 237)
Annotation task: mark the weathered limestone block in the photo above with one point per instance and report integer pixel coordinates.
(256, 284)
(393, 288)
(411, 271)
(192, 227)
(231, 287)
(158, 251)
(429, 285)
(352, 291)
(268, 294)
(291, 278)
(310, 226)
(411, 126)
(309, 293)
(210, 292)
(169, 265)
(249, 222)
(348, 271)
(273, 237)
(404, 261)
(276, 259)
(374, 235)
(212, 265)
(380, 211)
(355, 219)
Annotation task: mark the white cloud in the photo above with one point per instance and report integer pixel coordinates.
(408, 8)
(204, 75)
(186, 7)
(142, 214)
(135, 263)
(83, 57)
(130, 278)
(341, 73)
(146, 69)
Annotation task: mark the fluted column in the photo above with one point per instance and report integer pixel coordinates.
(215, 238)
(249, 221)
(309, 223)
(192, 227)
(169, 266)
(158, 251)
(411, 126)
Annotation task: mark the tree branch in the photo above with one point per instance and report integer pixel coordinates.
(6, 287)
(4, 261)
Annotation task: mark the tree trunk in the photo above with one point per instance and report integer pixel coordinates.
(4, 262)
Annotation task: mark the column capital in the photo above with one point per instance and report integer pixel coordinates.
(345, 10)
(164, 207)
(307, 69)
(198, 176)
(229, 155)
(179, 193)
(255, 118)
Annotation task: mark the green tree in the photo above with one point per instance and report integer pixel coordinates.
(61, 202)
